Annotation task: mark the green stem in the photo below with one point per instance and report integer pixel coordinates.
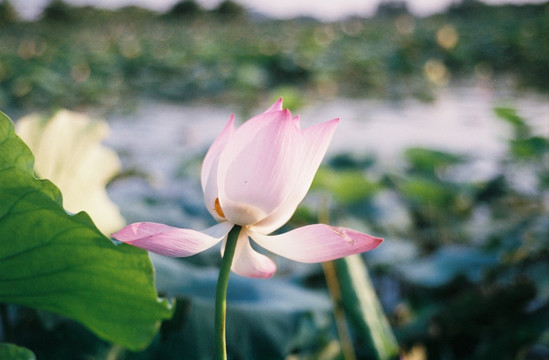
(221, 293)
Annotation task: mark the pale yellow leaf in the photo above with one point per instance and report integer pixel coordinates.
(68, 151)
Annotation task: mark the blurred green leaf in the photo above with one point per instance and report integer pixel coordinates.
(293, 97)
(51, 260)
(14, 352)
(351, 161)
(425, 190)
(532, 147)
(363, 307)
(348, 186)
(510, 115)
(429, 161)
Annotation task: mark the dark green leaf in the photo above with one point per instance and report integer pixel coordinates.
(14, 352)
(532, 147)
(510, 115)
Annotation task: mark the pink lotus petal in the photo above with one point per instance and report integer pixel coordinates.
(259, 167)
(296, 121)
(215, 150)
(171, 241)
(317, 243)
(208, 174)
(316, 141)
(248, 262)
(277, 106)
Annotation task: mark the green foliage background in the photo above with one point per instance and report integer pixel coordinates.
(77, 56)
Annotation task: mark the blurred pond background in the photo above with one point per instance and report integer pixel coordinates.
(442, 150)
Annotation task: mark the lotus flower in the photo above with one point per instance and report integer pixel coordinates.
(255, 176)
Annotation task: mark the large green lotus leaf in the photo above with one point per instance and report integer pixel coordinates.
(51, 260)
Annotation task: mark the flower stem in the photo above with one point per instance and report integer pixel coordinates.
(221, 293)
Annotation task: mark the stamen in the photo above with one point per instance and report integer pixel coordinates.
(217, 207)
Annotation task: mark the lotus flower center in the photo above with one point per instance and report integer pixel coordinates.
(218, 209)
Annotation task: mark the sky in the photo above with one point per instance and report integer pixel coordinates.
(323, 10)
